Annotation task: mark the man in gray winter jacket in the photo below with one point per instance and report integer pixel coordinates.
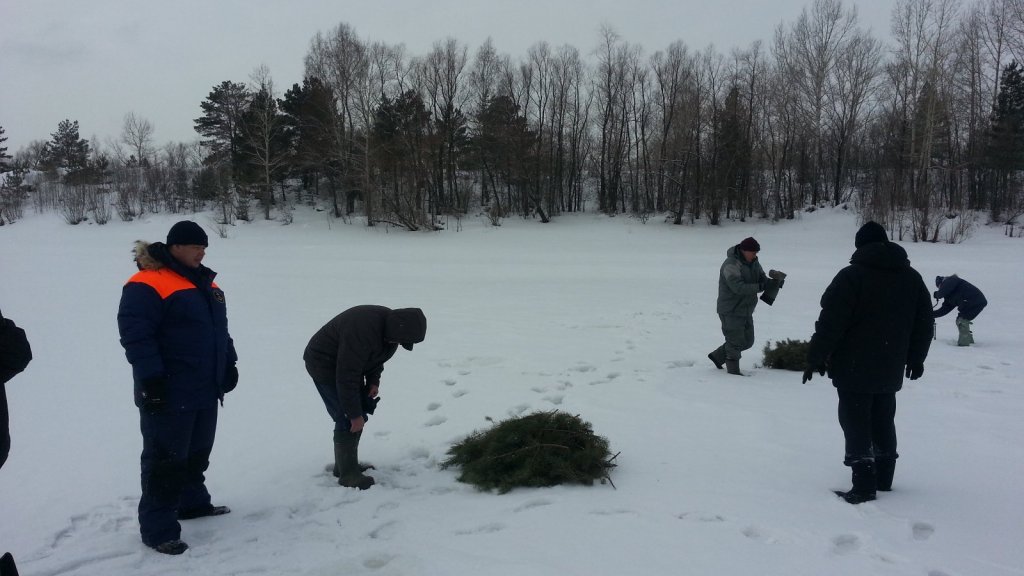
(740, 280)
(345, 358)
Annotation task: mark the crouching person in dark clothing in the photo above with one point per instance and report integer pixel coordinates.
(955, 292)
(345, 358)
(174, 330)
(874, 329)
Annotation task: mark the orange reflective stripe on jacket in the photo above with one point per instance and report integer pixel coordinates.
(165, 281)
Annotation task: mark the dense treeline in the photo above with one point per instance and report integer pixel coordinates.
(919, 133)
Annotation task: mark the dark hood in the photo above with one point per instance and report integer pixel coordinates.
(881, 255)
(407, 326)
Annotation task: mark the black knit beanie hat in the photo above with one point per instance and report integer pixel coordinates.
(750, 245)
(187, 232)
(870, 232)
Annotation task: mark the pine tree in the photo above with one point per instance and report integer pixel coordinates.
(65, 148)
(400, 144)
(1006, 145)
(504, 151)
(3, 151)
(1006, 138)
(222, 112)
(311, 121)
(262, 146)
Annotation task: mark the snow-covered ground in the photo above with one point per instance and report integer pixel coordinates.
(603, 317)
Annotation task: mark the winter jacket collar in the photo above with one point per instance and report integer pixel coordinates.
(881, 255)
(154, 256)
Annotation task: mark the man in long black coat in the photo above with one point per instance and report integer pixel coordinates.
(874, 329)
(345, 358)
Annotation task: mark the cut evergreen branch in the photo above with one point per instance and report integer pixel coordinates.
(787, 355)
(538, 449)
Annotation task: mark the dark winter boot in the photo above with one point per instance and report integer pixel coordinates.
(171, 547)
(363, 467)
(7, 567)
(718, 356)
(346, 461)
(884, 470)
(733, 367)
(210, 510)
(863, 484)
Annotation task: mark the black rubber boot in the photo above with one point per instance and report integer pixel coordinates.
(884, 470)
(717, 357)
(346, 461)
(733, 367)
(363, 467)
(864, 484)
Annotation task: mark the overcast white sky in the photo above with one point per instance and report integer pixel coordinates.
(95, 61)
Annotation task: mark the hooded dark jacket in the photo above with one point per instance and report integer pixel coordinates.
(173, 323)
(739, 283)
(352, 348)
(876, 318)
(956, 292)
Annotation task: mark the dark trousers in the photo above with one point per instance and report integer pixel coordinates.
(176, 450)
(739, 334)
(329, 394)
(868, 422)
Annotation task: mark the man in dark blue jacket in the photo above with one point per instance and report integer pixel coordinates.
(955, 292)
(174, 330)
(874, 329)
(345, 359)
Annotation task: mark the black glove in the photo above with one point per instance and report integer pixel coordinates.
(936, 294)
(230, 378)
(810, 372)
(369, 404)
(154, 392)
(914, 371)
(776, 275)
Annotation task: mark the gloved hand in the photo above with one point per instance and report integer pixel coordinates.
(369, 404)
(230, 378)
(810, 372)
(154, 392)
(914, 371)
(777, 275)
(935, 294)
